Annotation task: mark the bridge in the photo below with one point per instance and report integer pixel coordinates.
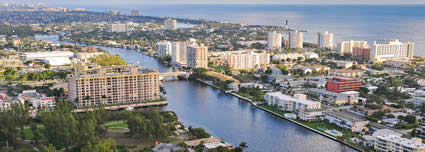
(173, 75)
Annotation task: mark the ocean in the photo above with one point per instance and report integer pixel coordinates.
(379, 23)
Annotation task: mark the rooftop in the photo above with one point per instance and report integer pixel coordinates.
(403, 141)
(346, 115)
(283, 96)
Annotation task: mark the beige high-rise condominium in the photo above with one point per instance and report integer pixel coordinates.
(170, 24)
(296, 39)
(197, 56)
(113, 85)
(248, 60)
(347, 46)
(274, 41)
(391, 50)
(326, 40)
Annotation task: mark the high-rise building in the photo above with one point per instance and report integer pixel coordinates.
(341, 84)
(170, 24)
(135, 13)
(113, 12)
(179, 52)
(347, 46)
(326, 40)
(296, 39)
(391, 50)
(118, 27)
(197, 56)
(361, 53)
(113, 85)
(164, 48)
(248, 60)
(274, 41)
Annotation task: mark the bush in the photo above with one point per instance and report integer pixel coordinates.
(199, 132)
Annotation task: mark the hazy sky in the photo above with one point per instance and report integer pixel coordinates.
(124, 2)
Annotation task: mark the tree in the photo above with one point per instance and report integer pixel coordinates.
(50, 148)
(12, 125)
(107, 145)
(243, 145)
(63, 127)
(47, 66)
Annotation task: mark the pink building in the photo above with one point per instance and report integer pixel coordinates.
(363, 53)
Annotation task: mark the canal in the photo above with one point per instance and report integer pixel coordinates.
(227, 117)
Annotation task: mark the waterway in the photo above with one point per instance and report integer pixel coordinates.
(225, 116)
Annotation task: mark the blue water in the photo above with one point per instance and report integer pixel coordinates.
(348, 22)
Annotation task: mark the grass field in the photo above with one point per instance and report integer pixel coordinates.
(29, 134)
(120, 124)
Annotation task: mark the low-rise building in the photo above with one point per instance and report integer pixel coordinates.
(85, 56)
(37, 100)
(349, 97)
(290, 104)
(347, 120)
(341, 84)
(345, 73)
(393, 143)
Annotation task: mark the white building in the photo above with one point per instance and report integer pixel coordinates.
(326, 40)
(85, 56)
(118, 28)
(296, 39)
(179, 52)
(197, 56)
(346, 120)
(170, 24)
(391, 50)
(248, 60)
(290, 104)
(52, 58)
(347, 46)
(311, 55)
(274, 42)
(164, 48)
(394, 143)
(38, 101)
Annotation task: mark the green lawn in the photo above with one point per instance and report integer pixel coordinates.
(29, 134)
(121, 124)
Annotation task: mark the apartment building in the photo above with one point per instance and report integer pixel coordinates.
(296, 39)
(341, 84)
(248, 60)
(289, 103)
(349, 97)
(391, 50)
(164, 48)
(113, 85)
(197, 56)
(394, 143)
(361, 53)
(179, 52)
(345, 73)
(347, 120)
(274, 41)
(170, 24)
(348, 46)
(118, 28)
(326, 40)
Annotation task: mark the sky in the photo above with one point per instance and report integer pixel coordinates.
(312, 2)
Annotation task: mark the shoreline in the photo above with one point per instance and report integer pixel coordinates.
(278, 115)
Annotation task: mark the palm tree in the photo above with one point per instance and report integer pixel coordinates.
(243, 145)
